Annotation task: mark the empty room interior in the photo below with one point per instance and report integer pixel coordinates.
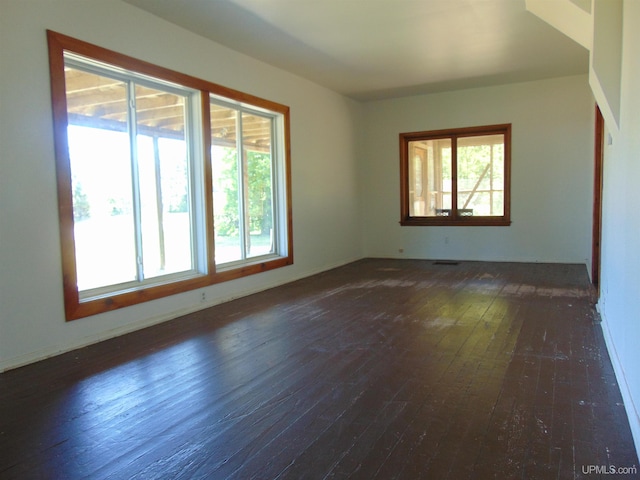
(319, 239)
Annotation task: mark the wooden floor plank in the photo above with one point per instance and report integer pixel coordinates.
(379, 369)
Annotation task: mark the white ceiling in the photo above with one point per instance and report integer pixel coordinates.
(371, 49)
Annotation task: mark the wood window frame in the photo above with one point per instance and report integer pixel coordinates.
(406, 219)
(75, 306)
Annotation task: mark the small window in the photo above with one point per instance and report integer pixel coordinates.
(166, 183)
(456, 177)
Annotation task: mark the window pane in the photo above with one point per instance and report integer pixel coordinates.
(226, 204)
(256, 135)
(165, 219)
(100, 159)
(481, 175)
(430, 178)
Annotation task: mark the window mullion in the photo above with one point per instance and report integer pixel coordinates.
(241, 185)
(245, 203)
(491, 179)
(274, 189)
(135, 179)
(454, 176)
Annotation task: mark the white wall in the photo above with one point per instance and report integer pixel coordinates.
(620, 281)
(605, 60)
(552, 172)
(325, 201)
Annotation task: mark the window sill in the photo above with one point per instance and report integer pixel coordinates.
(455, 222)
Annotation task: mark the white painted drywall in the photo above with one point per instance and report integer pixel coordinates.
(605, 59)
(620, 280)
(552, 173)
(572, 17)
(325, 178)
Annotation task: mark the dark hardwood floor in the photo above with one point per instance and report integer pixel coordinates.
(379, 369)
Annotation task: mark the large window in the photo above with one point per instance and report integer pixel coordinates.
(166, 183)
(456, 177)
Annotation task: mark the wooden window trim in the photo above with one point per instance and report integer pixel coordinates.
(76, 308)
(458, 221)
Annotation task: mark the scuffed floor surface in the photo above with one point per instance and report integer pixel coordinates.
(379, 369)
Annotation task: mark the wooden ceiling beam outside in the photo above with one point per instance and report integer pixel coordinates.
(98, 101)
